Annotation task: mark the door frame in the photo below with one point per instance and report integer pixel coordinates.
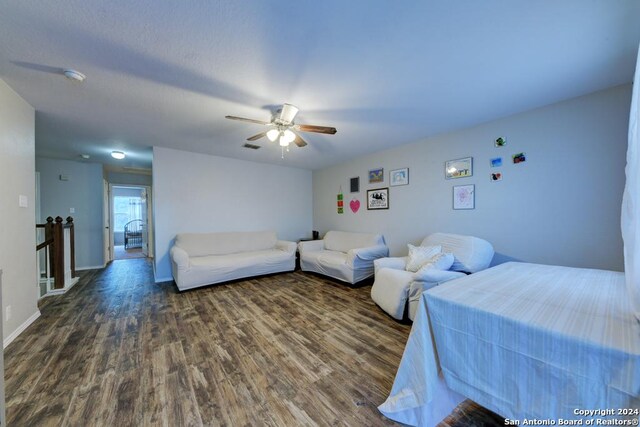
(149, 227)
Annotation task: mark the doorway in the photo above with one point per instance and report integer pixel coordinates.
(130, 211)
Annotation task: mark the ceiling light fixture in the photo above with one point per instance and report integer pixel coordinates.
(273, 134)
(85, 156)
(118, 155)
(74, 75)
(287, 138)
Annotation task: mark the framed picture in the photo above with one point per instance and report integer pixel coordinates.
(464, 196)
(495, 176)
(355, 184)
(458, 168)
(519, 158)
(496, 162)
(500, 141)
(399, 177)
(378, 198)
(376, 176)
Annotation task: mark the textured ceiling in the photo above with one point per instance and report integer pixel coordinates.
(384, 73)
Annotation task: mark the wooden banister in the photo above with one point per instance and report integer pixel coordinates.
(54, 246)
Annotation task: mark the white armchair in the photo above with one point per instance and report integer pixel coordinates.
(394, 287)
(344, 256)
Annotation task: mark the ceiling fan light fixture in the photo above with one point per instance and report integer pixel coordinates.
(287, 138)
(288, 113)
(273, 134)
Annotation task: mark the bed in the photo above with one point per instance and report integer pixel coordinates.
(525, 341)
(133, 234)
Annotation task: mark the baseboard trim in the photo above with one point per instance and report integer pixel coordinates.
(63, 290)
(163, 279)
(94, 267)
(13, 335)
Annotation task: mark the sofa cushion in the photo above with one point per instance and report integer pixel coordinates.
(420, 255)
(343, 241)
(203, 244)
(238, 260)
(471, 253)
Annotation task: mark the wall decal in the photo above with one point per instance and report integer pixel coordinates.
(519, 158)
(376, 175)
(399, 177)
(354, 205)
(500, 141)
(496, 162)
(496, 176)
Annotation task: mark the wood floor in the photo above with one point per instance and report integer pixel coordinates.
(284, 350)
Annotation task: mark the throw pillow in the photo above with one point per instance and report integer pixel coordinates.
(418, 255)
(441, 261)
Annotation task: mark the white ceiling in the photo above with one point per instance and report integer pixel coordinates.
(384, 73)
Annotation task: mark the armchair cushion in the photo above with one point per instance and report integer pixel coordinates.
(472, 254)
(441, 261)
(397, 263)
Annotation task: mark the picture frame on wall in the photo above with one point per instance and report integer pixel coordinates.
(376, 175)
(399, 177)
(378, 198)
(464, 197)
(354, 184)
(458, 168)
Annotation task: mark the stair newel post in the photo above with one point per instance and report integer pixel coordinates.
(58, 256)
(48, 234)
(72, 245)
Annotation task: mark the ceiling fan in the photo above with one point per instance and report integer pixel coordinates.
(283, 127)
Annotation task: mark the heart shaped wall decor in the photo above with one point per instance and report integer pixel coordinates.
(354, 205)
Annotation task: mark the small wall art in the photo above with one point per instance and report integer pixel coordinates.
(495, 176)
(376, 176)
(500, 141)
(519, 158)
(496, 162)
(340, 203)
(464, 197)
(354, 184)
(458, 168)
(399, 177)
(378, 199)
(354, 205)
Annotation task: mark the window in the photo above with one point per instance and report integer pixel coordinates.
(125, 209)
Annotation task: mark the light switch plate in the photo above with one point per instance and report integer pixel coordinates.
(23, 201)
(72, 210)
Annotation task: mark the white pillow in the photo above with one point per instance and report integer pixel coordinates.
(419, 255)
(441, 261)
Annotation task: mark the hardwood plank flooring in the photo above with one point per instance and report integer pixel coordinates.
(283, 350)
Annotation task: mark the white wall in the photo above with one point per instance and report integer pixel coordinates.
(82, 192)
(128, 178)
(560, 207)
(17, 225)
(201, 193)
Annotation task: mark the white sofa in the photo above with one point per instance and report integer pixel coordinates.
(344, 256)
(200, 259)
(394, 286)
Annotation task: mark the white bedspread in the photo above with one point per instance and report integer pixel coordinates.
(526, 341)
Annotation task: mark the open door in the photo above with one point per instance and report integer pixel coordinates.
(145, 222)
(106, 222)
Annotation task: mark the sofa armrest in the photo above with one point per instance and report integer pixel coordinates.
(180, 257)
(395, 263)
(286, 246)
(311, 246)
(367, 254)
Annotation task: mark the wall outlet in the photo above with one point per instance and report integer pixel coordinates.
(23, 201)
(72, 210)
(7, 314)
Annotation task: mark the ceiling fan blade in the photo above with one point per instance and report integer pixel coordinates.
(242, 119)
(316, 129)
(257, 136)
(288, 113)
(299, 141)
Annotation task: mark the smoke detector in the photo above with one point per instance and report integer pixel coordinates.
(74, 75)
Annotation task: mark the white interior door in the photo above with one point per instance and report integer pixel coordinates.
(106, 221)
(145, 222)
